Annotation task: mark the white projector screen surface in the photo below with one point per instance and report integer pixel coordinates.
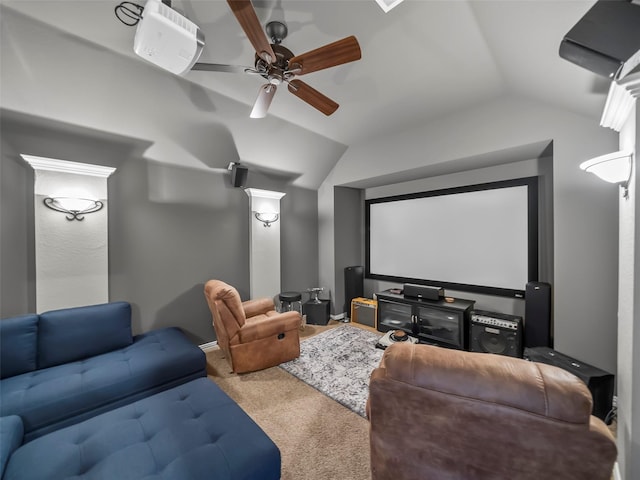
(471, 238)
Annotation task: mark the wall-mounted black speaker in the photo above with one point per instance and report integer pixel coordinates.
(353, 285)
(538, 330)
(239, 175)
(605, 39)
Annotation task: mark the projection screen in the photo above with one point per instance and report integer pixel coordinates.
(479, 238)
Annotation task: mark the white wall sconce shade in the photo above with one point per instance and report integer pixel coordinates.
(387, 5)
(75, 208)
(613, 168)
(267, 218)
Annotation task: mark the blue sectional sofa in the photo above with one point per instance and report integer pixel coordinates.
(191, 432)
(63, 366)
(80, 397)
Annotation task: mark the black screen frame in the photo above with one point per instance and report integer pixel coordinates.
(532, 242)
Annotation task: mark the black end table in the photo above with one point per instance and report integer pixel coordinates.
(317, 313)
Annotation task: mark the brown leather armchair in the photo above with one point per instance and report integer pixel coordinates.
(438, 414)
(252, 334)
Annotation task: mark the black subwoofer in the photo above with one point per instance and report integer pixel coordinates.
(599, 382)
(498, 333)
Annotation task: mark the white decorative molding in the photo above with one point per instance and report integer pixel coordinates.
(620, 100)
(256, 192)
(205, 347)
(65, 166)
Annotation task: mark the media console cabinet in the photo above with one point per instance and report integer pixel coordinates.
(432, 321)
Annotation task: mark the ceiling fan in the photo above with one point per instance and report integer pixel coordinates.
(278, 65)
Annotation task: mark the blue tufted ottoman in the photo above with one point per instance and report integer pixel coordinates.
(193, 431)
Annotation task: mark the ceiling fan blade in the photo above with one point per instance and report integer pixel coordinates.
(261, 106)
(336, 53)
(312, 97)
(248, 19)
(218, 67)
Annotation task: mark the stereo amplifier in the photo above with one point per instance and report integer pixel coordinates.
(364, 311)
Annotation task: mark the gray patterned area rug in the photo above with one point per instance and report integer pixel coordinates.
(338, 363)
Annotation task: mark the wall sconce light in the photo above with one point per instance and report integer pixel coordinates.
(75, 208)
(613, 168)
(387, 5)
(267, 218)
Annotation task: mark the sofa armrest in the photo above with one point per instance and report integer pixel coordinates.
(257, 306)
(265, 326)
(11, 434)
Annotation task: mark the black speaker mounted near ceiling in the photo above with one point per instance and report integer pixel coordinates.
(606, 40)
(238, 174)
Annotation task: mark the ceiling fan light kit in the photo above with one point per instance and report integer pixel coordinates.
(277, 64)
(167, 39)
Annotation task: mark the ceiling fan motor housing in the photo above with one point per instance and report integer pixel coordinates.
(277, 31)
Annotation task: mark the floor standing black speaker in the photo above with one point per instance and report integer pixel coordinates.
(353, 285)
(537, 315)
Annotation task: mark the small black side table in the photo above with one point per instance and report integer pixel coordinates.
(317, 313)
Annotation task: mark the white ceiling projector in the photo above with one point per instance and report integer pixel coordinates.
(168, 39)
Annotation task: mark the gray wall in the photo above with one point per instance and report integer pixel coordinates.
(23, 133)
(348, 239)
(541, 168)
(17, 250)
(172, 227)
(299, 240)
(585, 238)
(170, 230)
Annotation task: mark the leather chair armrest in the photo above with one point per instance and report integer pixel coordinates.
(264, 326)
(531, 386)
(377, 373)
(257, 306)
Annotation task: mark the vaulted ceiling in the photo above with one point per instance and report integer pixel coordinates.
(423, 60)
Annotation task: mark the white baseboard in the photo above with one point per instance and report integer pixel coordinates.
(209, 345)
(616, 472)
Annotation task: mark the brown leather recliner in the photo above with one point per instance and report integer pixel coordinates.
(438, 414)
(252, 334)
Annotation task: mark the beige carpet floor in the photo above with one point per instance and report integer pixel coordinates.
(319, 439)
